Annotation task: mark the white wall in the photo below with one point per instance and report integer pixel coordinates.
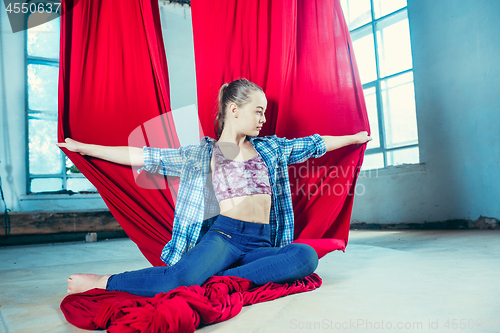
(178, 39)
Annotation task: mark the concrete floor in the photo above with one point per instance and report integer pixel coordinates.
(406, 278)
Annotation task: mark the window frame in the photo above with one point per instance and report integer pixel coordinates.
(377, 84)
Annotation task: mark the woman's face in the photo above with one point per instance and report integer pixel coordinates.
(252, 117)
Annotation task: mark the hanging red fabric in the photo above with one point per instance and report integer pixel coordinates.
(310, 80)
(300, 53)
(112, 79)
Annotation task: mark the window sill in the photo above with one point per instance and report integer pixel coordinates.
(59, 196)
(396, 169)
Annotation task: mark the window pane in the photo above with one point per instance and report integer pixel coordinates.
(80, 185)
(43, 40)
(46, 184)
(42, 87)
(364, 51)
(371, 108)
(384, 7)
(373, 161)
(44, 155)
(403, 156)
(70, 167)
(398, 99)
(356, 12)
(393, 42)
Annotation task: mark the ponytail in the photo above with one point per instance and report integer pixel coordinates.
(221, 112)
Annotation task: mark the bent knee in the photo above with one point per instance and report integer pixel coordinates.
(308, 256)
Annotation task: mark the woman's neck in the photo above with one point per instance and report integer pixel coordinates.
(237, 140)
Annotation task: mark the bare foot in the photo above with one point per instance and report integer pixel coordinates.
(78, 283)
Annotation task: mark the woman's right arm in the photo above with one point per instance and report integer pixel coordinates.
(121, 155)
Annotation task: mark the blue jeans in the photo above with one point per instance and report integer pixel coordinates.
(231, 247)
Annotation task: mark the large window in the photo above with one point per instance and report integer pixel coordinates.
(380, 36)
(49, 170)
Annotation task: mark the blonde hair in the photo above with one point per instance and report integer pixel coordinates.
(238, 92)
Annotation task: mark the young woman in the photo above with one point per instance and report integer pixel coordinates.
(251, 237)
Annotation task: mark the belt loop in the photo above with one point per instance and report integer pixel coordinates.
(264, 228)
(242, 224)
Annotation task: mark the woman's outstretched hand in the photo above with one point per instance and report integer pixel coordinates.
(362, 137)
(122, 155)
(72, 145)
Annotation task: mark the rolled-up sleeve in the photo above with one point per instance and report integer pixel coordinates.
(301, 149)
(166, 161)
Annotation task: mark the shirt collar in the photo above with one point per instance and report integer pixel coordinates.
(208, 140)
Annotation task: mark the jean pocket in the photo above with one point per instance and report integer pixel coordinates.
(222, 232)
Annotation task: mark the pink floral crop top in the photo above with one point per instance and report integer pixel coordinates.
(239, 178)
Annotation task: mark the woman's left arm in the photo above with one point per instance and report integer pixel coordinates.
(335, 142)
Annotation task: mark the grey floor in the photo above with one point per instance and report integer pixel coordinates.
(419, 281)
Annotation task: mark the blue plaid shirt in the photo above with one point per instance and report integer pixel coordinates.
(197, 207)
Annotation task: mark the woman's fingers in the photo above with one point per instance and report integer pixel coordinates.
(69, 144)
(63, 144)
(363, 137)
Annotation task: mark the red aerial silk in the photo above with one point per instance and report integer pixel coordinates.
(180, 310)
(300, 53)
(113, 79)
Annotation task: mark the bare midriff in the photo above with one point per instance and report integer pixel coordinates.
(251, 208)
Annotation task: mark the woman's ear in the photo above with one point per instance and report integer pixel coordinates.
(233, 108)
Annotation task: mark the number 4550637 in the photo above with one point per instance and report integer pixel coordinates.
(33, 7)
